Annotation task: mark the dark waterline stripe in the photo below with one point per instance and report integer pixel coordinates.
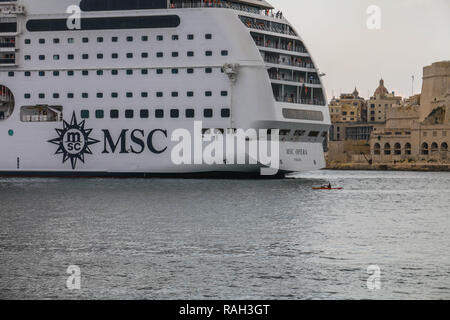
(113, 23)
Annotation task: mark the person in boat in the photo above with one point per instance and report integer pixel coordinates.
(329, 185)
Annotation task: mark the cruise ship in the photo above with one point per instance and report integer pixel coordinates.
(97, 87)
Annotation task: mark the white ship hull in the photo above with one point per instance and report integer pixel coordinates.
(126, 116)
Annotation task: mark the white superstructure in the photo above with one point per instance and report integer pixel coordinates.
(102, 94)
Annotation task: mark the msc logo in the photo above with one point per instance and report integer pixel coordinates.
(73, 141)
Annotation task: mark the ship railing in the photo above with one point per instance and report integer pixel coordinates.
(260, 43)
(287, 99)
(7, 61)
(289, 63)
(220, 4)
(275, 76)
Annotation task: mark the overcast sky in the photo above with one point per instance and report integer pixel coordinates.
(413, 34)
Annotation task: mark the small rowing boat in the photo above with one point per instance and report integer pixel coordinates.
(326, 188)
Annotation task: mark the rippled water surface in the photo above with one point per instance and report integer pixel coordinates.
(227, 239)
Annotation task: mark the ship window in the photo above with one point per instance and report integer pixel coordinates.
(224, 52)
(114, 39)
(27, 96)
(190, 37)
(85, 72)
(56, 73)
(99, 114)
(159, 38)
(208, 113)
(190, 70)
(27, 41)
(70, 73)
(84, 114)
(208, 53)
(144, 114)
(144, 54)
(70, 40)
(11, 74)
(85, 95)
(129, 94)
(159, 94)
(144, 71)
(313, 134)
(224, 93)
(114, 94)
(85, 56)
(190, 53)
(114, 114)
(38, 113)
(174, 113)
(70, 95)
(115, 55)
(144, 38)
(129, 114)
(42, 57)
(208, 94)
(159, 113)
(129, 55)
(99, 95)
(174, 94)
(190, 93)
(208, 70)
(175, 37)
(70, 56)
(99, 55)
(56, 96)
(190, 113)
(129, 72)
(174, 71)
(144, 94)
(225, 113)
(129, 39)
(27, 74)
(159, 71)
(56, 40)
(85, 40)
(159, 54)
(99, 72)
(41, 73)
(42, 41)
(208, 36)
(99, 39)
(27, 57)
(174, 54)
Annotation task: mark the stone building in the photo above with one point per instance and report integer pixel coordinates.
(380, 102)
(418, 130)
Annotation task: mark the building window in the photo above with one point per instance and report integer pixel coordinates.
(114, 114)
(208, 113)
(99, 114)
(84, 114)
(129, 114)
